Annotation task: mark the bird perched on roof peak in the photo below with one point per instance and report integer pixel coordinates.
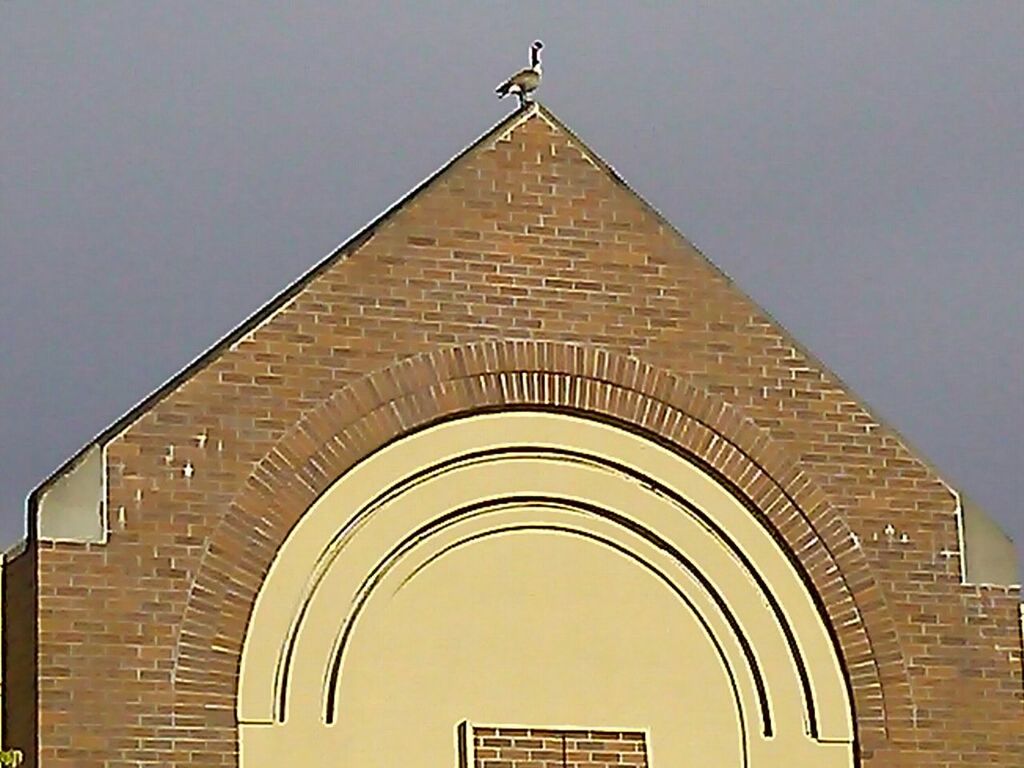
(525, 81)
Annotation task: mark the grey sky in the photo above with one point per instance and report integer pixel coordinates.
(858, 168)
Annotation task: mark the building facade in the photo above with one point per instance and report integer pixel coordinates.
(516, 477)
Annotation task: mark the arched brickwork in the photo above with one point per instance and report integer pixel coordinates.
(422, 390)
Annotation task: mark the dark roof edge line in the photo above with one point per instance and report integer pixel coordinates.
(262, 314)
(265, 311)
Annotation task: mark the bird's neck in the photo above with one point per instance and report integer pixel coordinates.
(535, 60)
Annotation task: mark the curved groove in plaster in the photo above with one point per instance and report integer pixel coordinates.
(741, 714)
(330, 552)
(482, 508)
(336, 545)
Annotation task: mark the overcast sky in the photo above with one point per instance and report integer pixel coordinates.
(857, 167)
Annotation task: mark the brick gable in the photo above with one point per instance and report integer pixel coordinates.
(525, 246)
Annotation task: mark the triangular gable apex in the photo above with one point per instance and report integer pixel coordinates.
(502, 130)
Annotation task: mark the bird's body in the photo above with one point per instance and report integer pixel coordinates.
(525, 81)
(521, 83)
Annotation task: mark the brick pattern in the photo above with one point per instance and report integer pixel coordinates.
(524, 274)
(505, 747)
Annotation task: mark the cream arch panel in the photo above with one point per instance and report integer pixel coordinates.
(414, 591)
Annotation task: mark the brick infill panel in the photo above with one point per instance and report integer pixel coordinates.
(530, 747)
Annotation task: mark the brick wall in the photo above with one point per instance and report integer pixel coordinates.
(19, 654)
(522, 270)
(507, 747)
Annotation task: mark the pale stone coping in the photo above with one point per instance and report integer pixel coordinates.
(988, 557)
(73, 508)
